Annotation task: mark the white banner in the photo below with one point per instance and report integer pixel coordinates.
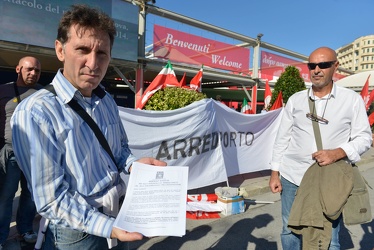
(213, 140)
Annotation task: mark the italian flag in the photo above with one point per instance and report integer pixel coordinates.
(246, 109)
(165, 78)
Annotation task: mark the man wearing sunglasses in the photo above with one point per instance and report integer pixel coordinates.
(345, 131)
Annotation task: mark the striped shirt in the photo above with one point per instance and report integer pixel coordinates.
(62, 159)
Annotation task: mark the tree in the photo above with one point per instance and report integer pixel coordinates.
(289, 83)
(173, 98)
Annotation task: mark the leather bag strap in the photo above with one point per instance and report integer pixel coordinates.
(317, 132)
(88, 119)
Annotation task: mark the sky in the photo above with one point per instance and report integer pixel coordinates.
(297, 25)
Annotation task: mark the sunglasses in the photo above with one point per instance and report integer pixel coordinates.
(321, 65)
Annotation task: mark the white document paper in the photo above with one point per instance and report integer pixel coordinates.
(155, 201)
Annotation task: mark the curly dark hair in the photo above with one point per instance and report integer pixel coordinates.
(87, 18)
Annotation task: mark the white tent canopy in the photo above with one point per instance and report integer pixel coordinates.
(357, 81)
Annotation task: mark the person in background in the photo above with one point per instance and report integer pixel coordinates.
(11, 94)
(344, 129)
(75, 183)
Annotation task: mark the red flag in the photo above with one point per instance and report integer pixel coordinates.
(278, 102)
(371, 98)
(166, 77)
(201, 197)
(183, 82)
(195, 82)
(365, 93)
(371, 118)
(202, 214)
(254, 99)
(267, 96)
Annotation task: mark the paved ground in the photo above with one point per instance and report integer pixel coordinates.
(257, 228)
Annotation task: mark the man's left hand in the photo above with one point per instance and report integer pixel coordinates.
(150, 161)
(326, 157)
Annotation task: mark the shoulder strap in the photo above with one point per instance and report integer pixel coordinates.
(88, 119)
(317, 132)
(16, 92)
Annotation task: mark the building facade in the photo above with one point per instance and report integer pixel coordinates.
(357, 56)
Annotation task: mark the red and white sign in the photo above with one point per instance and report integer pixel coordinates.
(272, 66)
(178, 46)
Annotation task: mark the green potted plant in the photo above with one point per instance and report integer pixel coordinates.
(289, 83)
(171, 98)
